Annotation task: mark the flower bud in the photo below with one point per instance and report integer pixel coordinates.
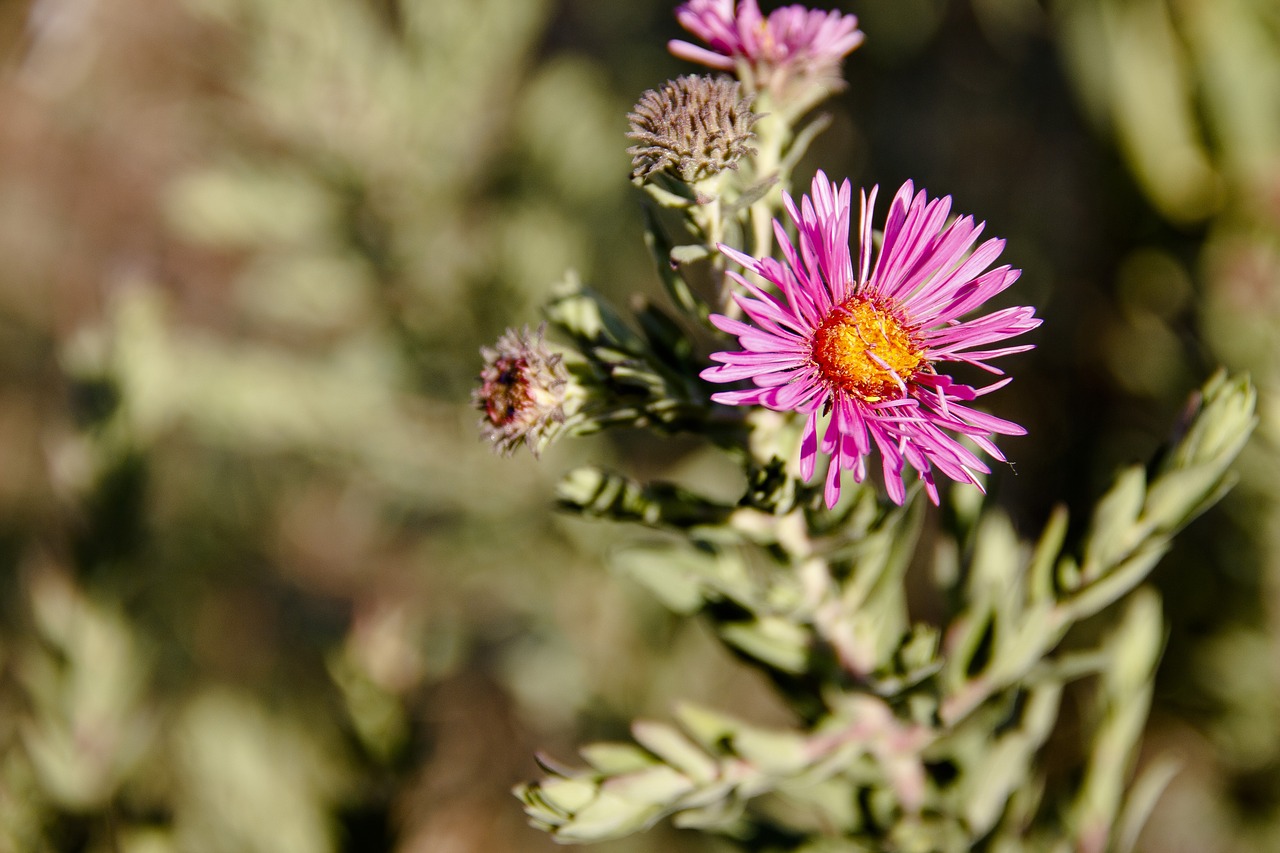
(522, 392)
(693, 127)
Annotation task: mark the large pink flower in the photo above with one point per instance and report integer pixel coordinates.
(792, 41)
(864, 346)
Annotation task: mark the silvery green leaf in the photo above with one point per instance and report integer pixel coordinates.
(826, 807)
(1040, 585)
(583, 314)
(881, 807)
(736, 784)
(657, 785)
(591, 491)
(943, 834)
(667, 339)
(881, 556)
(1118, 581)
(920, 650)
(725, 816)
(1007, 763)
(554, 767)
(1141, 799)
(675, 749)
(915, 660)
(667, 191)
(689, 253)
(1122, 704)
(540, 813)
(1019, 646)
(1069, 576)
(803, 140)
(1024, 804)
(637, 377)
(566, 796)
(674, 571)
(664, 574)
(609, 816)
(1178, 496)
(751, 194)
(775, 641)
(776, 753)
(1114, 530)
(865, 639)
(962, 641)
(616, 759)
(1066, 667)
(1137, 644)
(710, 728)
(996, 562)
(667, 261)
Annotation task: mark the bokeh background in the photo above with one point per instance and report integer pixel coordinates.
(262, 587)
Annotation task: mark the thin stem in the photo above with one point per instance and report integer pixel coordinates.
(771, 135)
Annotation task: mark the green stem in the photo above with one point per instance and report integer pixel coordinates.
(772, 133)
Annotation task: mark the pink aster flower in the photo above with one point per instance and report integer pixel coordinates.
(864, 345)
(792, 42)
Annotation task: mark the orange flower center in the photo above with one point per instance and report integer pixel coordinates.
(864, 350)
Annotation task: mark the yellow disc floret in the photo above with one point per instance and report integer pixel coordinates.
(863, 349)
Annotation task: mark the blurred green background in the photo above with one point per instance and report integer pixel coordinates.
(262, 586)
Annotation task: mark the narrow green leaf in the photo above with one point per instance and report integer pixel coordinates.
(1114, 530)
(774, 641)
(615, 759)
(775, 753)
(659, 785)
(675, 749)
(711, 729)
(610, 816)
(1141, 800)
(667, 260)
(1040, 572)
(566, 796)
(689, 253)
(669, 581)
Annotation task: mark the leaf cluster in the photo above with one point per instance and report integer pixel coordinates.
(910, 736)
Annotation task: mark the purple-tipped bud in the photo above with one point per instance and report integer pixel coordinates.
(522, 392)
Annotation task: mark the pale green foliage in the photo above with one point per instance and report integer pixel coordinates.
(1191, 94)
(234, 574)
(264, 588)
(91, 677)
(910, 734)
(1189, 91)
(824, 610)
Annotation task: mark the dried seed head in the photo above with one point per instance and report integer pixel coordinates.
(694, 127)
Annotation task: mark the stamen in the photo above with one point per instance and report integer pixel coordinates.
(864, 349)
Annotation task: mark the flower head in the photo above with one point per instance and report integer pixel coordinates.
(694, 126)
(864, 345)
(792, 43)
(522, 392)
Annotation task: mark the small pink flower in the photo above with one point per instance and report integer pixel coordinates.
(792, 42)
(863, 346)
